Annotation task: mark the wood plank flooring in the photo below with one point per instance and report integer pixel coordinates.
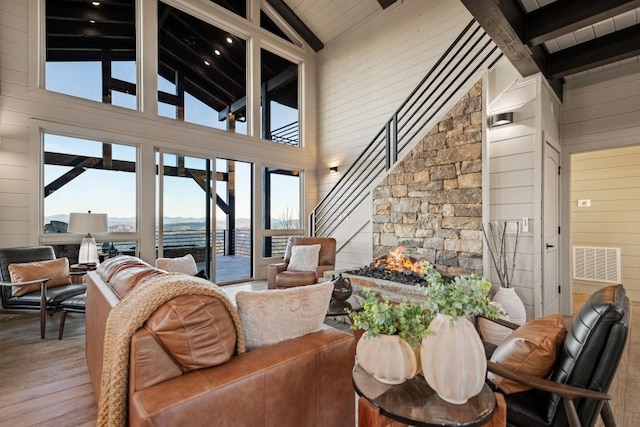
(45, 382)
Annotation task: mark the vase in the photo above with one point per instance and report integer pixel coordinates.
(491, 331)
(453, 359)
(512, 304)
(389, 358)
(341, 288)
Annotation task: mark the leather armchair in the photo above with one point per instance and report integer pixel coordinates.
(46, 300)
(575, 392)
(279, 277)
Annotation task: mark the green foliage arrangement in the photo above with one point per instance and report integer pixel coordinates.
(381, 316)
(464, 296)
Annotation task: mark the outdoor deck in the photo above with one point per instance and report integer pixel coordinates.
(231, 268)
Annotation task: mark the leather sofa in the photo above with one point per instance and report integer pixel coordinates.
(302, 381)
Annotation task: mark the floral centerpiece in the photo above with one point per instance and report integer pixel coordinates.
(392, 336)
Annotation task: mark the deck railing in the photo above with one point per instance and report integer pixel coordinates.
(470, 52)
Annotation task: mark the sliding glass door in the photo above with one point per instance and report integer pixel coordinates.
(204, 209)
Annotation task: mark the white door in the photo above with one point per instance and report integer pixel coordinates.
(550, 239)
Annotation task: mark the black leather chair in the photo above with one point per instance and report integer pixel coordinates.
(575, 392)
(45, 301)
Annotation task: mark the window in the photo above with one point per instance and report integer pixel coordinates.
(279, 107)
(202, 72)
(91, 50)
(82, 175)
(281, 208)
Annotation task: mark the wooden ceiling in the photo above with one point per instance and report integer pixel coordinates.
(560, 38)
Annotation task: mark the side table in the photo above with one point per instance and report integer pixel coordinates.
(415, 403)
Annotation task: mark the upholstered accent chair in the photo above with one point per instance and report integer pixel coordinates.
(45, 300)
(289, 273)
(575, 392)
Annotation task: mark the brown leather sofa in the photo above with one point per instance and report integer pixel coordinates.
(279, 276)
(305, 381)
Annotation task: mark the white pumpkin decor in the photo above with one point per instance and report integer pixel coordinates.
(389, 358)
(453, 359)
(491, 331)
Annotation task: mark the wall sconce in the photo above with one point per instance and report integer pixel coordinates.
(501, 119)
(333, 169)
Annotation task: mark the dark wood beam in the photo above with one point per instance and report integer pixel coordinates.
(297, 24)
(504, 22)
(386, 3)
(599, 51)
(565, 16)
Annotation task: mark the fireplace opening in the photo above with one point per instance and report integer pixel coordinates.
(397, 267)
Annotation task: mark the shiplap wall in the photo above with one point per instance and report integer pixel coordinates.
(512, 163)
(25, 109)
(602, 111)
(610, 179)
(363, 77)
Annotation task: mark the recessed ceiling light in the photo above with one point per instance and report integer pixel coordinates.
(229, 40)
(95, 3)
(217, 52)
(207, 63)
(92, 21)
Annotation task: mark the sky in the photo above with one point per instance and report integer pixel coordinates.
(113, 193)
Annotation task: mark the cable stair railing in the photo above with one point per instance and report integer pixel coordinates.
(472, 51)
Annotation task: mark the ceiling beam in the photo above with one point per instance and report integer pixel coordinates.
(565, 16)
(386, 3)
(613, 47)
(297, 24)
(504, 22)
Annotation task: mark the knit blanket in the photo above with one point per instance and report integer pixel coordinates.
(126, 318)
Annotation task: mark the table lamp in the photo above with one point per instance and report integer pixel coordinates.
(88, 223)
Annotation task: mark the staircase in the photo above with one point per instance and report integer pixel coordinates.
(346, 209)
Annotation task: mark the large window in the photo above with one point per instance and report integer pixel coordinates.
(82, 175)
(202, 72)
(281, 208)
(279, 99)
(91, 50)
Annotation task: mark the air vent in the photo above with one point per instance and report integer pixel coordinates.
(596, 264)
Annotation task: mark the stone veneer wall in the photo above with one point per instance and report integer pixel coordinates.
(431, 201)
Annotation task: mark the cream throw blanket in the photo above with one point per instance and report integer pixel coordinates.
(126, 318)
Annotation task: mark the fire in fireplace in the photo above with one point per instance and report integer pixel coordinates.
(396, 267)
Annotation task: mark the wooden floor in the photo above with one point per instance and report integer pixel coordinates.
(45, 382)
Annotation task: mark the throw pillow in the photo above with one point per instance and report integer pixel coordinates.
(276, 315)
(56, 269)
(186, 264)
(304, 257)
(531, 349)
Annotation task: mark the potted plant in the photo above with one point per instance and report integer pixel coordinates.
(391, 338)
(452, 354)
(502, 242)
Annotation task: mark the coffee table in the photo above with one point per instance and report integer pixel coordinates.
(415, 403)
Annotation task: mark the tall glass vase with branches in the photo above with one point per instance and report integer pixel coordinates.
(502, 257)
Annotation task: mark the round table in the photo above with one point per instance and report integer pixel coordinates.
(414, 402)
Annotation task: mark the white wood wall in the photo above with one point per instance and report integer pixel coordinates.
(25, 109)
(363, 77)
(602, 111)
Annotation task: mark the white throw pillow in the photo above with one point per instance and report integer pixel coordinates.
(304, 257)
(276, 315)
(186, 264)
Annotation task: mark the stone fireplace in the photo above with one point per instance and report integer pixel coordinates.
(431, 201)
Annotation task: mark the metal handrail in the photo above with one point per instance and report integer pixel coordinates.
(472, 50)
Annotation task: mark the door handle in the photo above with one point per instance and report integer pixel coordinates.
(549, 246)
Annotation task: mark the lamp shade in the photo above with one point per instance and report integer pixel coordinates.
(87, 223)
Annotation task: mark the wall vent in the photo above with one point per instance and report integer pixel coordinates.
(596, 264)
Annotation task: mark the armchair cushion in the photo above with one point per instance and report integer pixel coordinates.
(304, 258)
(531, 349)
(269, 317)
(185, 264)
(57, 270)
